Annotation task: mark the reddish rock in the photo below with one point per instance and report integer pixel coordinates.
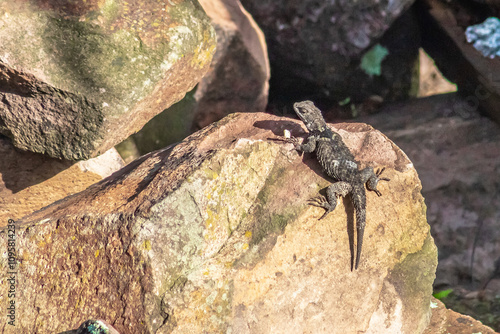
(239, 73)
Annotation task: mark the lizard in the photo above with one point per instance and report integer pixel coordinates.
(338, 162)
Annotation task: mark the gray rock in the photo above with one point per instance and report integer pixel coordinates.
(77, 79)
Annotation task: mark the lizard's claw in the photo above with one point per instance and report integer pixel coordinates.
(378, 173)
(322, 202)
(319, 201)
(372, 182)
(292, 140)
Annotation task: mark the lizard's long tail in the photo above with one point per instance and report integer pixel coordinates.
(359, 203)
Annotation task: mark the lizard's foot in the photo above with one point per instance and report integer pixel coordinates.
(322, 202)
(372, 182)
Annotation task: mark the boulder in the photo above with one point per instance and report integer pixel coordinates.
(77, 78)
(215, 234)
(30, 181)
(237, 81)
(455, 151)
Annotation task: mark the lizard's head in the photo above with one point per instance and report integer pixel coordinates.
(310, 115)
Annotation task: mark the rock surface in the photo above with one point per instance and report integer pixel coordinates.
(237, 81)
(444, 321)
(316, 48)
(30, 181)
(456, 156)
(78, 78)
(215, 235)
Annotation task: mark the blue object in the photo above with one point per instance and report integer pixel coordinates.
(485, 36)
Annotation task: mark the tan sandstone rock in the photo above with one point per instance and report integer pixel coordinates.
(215, 235)
(29, 181)
(77, 78)
(444, 321)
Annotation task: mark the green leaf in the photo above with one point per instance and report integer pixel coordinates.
(371, 62)
(344, 101)
(442, 294)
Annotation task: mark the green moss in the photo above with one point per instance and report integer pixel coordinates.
(413, 278)
(118, 67)
(273, 178)
(273, 225)
(110, 10)
(113, 67)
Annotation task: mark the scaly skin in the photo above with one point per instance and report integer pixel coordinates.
(338, 163)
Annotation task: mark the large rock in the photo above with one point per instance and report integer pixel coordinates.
(316, 48)
(238, 80)
(455, 152)
(29, 181)
(78, 78)
(215, 235)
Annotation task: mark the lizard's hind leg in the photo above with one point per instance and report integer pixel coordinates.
(371, 179)
(333, 192)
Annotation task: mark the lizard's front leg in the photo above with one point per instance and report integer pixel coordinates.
(333, 192)
(308, 145)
